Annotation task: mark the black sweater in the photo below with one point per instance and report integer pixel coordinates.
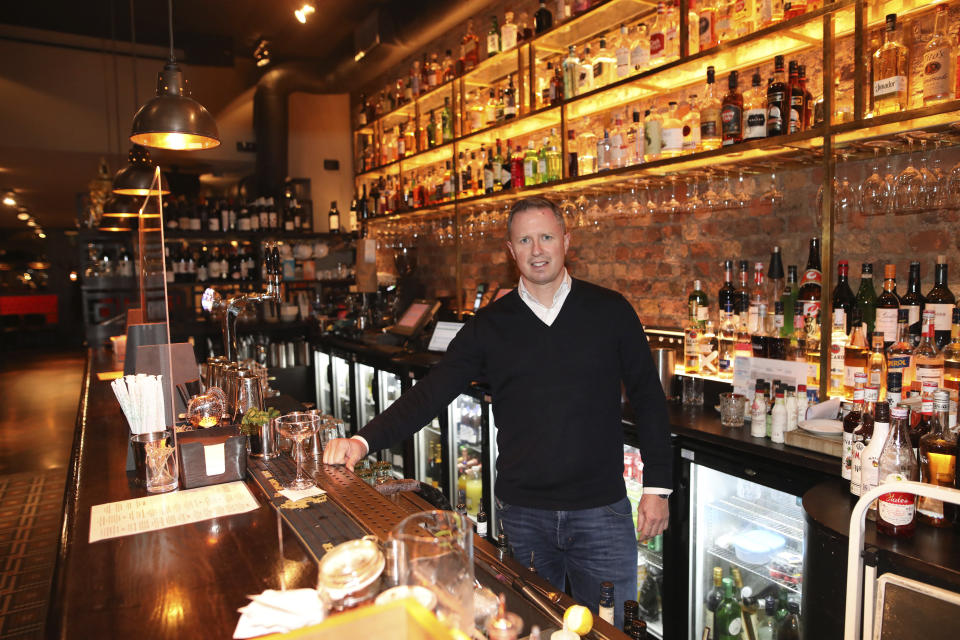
(556, 398)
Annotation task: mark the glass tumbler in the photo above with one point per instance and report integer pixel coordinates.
(732, 407)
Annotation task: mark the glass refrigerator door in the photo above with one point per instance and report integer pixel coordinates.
(367, 403)
(341, 389)
(321, 362)
(467, 453)
(428, 453)
(744, 528)
(649, 554)
(389, 390)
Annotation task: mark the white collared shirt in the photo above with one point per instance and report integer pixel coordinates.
(546, 314)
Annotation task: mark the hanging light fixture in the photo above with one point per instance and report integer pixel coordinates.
(136, 177)
(118, 225)
(122, 206)
(172, 119)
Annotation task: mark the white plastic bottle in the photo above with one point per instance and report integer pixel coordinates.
(758, 412)
(778, 419)
(870, 456)
(803, 401)
(790, 402)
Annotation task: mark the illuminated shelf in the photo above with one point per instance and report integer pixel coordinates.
(517, 127)
(495, 68)
(603, 17)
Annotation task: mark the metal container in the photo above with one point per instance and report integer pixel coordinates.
(313, 446)
(291, 354)
(263, 441)
(248, 394)
(230, 372)
(214, 374)
(665, 361)
(302, 353)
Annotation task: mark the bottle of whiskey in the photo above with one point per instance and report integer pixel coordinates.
(797, 99)
(951, 354)
(672, 132)
(938, 61)
(810, 287)
(707, 20)
(778, 103)
(927, 359)
(890, 72)
(941, 301)
(938, 459)
(710, 128)
(755, 110)
(731, 112)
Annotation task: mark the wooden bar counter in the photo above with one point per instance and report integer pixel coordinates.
(189, 581)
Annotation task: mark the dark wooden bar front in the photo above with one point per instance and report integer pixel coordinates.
(189, 581)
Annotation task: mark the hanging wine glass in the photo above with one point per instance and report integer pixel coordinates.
(928, 181)
(939, 197)
(672, 205)
(594, 213)
(908, 195)
(844, 196)
(710, 198)
(726, 197)
(694, 203)
(582, 206)
(744, 197)
(874, 191)
(773, 195)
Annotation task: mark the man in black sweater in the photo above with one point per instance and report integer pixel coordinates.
(554, 352)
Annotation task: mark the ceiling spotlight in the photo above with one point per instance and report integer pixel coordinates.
(303, 12)
(31, 222)
(10, 199)
(42, 235)
(262, 53)
(23, 215)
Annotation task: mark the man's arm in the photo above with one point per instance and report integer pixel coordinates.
(413, 410)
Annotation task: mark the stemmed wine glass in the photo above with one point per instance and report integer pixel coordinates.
(874, 191)
(710, 198)
(298, 426)
(743, 194)
(694, 203)
(908, 196)
(844, 198)
(773, 195)
(672, 205)
(727, 199)
(928, 180)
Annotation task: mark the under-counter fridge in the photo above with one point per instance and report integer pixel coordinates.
(471, 454)
(744, 521)
(342, 386)
(322, 381)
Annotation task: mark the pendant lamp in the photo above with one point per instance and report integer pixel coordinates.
(118, 225)
(172, 119)
(135, 179)
(122, 206)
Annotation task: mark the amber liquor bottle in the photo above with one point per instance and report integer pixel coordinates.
(778, 103)
(731, 112)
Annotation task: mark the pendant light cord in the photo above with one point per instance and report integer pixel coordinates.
(170, 26)
(133, 55)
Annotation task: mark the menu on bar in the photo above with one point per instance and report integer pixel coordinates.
(152, 513)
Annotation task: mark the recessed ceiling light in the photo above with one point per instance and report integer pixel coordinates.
(303, 12)
(10, 199)
(31, 222)
(23, 215)
(42, 235)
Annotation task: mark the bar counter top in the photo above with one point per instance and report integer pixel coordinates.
(188, 581)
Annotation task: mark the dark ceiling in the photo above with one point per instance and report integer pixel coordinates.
(210, 32)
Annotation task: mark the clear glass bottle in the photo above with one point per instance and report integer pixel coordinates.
(693, 30)
(900, 353)
(938, 459)
(604, 66)
(623, 53)
(938, 62)
(658, 32)
(653, 134)
(585, 80)
(640, 49)
(727, 340)
(896, 512)
(891, 70)
(710, 127)
(707, 25)
(927, 361)
(877, 366)
(587, 152)
(755, 110)
(672, 132)
(691, 125)
(571, 73)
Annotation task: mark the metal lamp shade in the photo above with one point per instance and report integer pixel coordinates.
(137, 177)
(121, 207)
(172, 119)
(118, 225)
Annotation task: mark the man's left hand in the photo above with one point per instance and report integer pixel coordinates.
(653, 514)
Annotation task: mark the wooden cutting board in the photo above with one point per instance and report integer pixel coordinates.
(830, 445)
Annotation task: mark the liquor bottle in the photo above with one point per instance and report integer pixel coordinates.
(808, 100)
(855, 353)
(571, 73)
(755, 110)
(725, 17)
(767, 629)
(778, 419)
(554, 168)
(698, 305)
(938, 459)
(446, 121)
(789, 297)
(896, 512)
(531, 165)
(758, 410)
(922, 421)
(691, 126)
(743, 17)
(710, 128)
(508, 32)
(913, 301)
(433, 135)
(928, 361)
(797, 99)
(843, 298)
(850, 423)
(653, 135)
(542, 18)
(587, 154)
(877, 365)
(333, 218)
(509, 101)
(861, 437)
(585, 81)
(714, 598)
(867, 297)
(741, 299)
(691, 345)
(636, 142)
(888, 304)
(606, 606)
(951, 354)
(941, 301)
(731, 112)
(758, 300)
(671, 36)
(604, 66)
(657, 37)
(891, 69)
(727, 293)
(778, 101)
(623, 53)
(789, 627)
(693, 27)
(707, 23)
(640, 49)
(938, 59)
(809, 292)
(838, 345)
(727, 617)
(515, 167)
(727, 340)
(493, 37)
(672, 136)
(900, 353)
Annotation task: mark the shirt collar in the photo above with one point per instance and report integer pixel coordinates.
(561, 291)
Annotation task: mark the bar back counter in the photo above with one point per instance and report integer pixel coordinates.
(189, 581)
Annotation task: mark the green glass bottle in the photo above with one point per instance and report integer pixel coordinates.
(727, 620)
(867, 297)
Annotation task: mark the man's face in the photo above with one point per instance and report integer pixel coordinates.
(538, 245)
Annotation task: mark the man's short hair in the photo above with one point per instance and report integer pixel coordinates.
(534, 202)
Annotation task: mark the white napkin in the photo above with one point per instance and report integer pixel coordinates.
(279, 612)
(827, 410)
(309, 492)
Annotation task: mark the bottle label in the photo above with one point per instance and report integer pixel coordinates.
(706, 31)
(929, 374)
(886, 323)
(623, 62)
(756, 124)
(672, 139)
(482, 529)
(898, 362)
(941, 315)
(775, 101)
(889, 86)
(811, 275)
(734, 627)
(896, 508)
(653, 137)
(811, 308)
(849, 371)
(639, 57)
(837, 368)
(656, 45)
(840, 317)
(856, 468)
(731, 120)
(913, 316)
(936, 78)
(846, 466)
(708, 129)
(493, 44)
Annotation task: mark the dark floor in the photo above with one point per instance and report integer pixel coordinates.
(39, 392)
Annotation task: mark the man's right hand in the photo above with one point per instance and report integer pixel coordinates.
(346, 451)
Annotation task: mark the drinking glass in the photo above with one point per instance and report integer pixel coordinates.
(672, 205)
(594, 213)
(160, 468)
(874, 191)
(928, 181)
(744, 197)
(726, 197)
(845, 200)
(582, 205)
(732, 409)
(773, 195)
(569, 210)
(908, 196)
(637, 198)
(298, 426)
(711, 200)
(939, 198)
(652, 206)
(205, 410)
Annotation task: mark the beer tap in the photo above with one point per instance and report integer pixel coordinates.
(234, 306)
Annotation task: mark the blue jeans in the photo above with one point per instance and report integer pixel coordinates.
(588, 546)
